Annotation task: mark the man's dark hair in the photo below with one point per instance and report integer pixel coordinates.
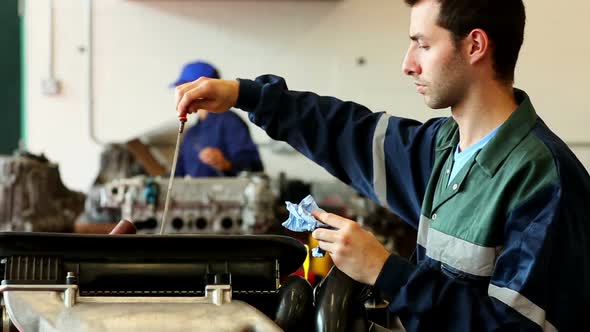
(502, 20)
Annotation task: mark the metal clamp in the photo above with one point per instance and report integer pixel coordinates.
(214, 294)
(70, 292)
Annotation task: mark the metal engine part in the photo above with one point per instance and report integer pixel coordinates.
(45, 311)
(242, 205)
(33, 197)
(74, 282)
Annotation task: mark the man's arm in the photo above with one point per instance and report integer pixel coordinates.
(539, 281)
(388, 159)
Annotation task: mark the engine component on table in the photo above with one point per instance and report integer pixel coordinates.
(116, 162)
(241, 205)
(33, 197)
(75, 282)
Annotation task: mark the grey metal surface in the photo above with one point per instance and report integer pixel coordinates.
(214, 294)
(44, 311)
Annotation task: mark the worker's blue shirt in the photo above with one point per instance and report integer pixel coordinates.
(461, 158)
(504, 247)
(225, 131)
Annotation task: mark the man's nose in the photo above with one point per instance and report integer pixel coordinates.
(410, 66)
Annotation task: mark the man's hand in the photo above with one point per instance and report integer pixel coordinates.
(124, 227)
(213, 95)
(354, 250)
(215, 158)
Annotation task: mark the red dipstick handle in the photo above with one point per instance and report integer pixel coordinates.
(182, 119)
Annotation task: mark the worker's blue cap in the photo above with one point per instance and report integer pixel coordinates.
(194, 70)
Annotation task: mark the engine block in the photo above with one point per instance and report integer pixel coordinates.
(242, 205)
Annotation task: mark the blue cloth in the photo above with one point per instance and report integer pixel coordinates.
(462, 157)
(225, 131)
(318, 252)
(301, 220)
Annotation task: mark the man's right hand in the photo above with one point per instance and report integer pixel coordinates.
(213, 95)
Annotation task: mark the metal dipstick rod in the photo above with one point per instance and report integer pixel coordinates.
(172, 172)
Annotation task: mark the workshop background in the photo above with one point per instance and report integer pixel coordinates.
(87, 106)
(113, 64)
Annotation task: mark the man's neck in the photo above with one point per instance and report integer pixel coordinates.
(485, 108)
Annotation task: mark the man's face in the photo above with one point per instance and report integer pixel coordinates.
(439, 70)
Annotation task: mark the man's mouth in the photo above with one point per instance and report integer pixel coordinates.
(421, 88)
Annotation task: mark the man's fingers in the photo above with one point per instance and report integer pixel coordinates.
(213, 95)
(207, 150)
(327, 246)
(213, 162)
(200, 104)
(193, 108)
(124, 227)
(205, 158)
(330, 219)
(181, 90)
(207, 154)
(194, 97)
(188, 103)
(211, 156)
(327, 235)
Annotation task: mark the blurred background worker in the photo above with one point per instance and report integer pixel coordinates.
(218, 144)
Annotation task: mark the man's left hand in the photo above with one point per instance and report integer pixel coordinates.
(124, 227)
(354, 250)
(214, 158)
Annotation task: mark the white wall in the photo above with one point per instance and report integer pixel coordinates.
(140, 46)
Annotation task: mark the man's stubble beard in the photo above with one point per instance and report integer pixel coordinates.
(449, 86)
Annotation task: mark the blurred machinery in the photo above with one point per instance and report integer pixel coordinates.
(32, 196)
(117, 161)
(131, 184)
(241, 205)
(248, 204)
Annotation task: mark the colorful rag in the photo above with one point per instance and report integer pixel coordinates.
(301, 220)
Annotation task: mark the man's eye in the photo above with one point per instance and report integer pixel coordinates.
(424, 47)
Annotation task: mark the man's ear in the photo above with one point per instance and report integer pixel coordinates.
(477, 45)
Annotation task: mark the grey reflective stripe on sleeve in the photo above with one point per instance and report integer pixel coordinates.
(423, 228)
(460, 254)
(379, 174)
(453, 251)
(521, 304)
